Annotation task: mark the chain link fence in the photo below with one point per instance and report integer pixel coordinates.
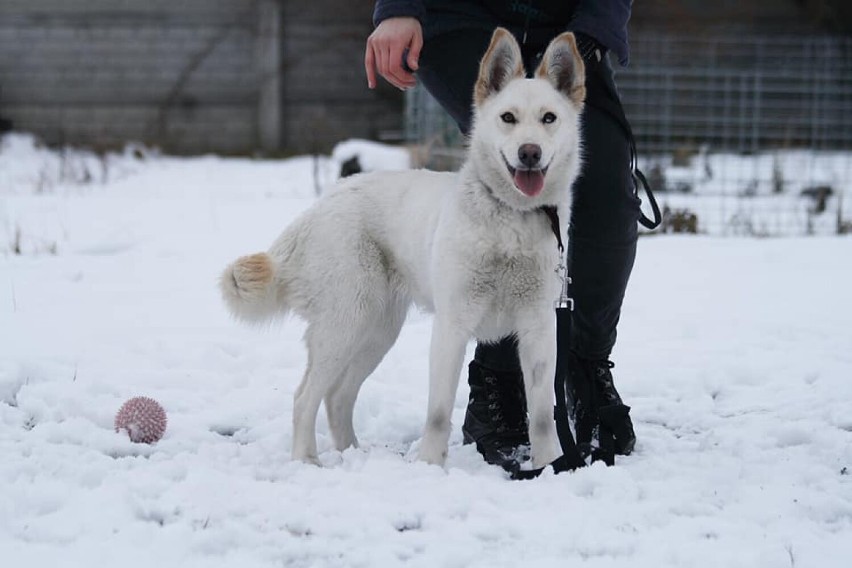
(738, 135)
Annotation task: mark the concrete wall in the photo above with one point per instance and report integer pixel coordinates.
(231, 76)
(325, 89)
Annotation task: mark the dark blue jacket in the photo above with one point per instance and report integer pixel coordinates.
(604, 20)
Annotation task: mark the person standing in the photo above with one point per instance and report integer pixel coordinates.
(440, 43)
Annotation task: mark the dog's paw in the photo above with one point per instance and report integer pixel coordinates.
(542, 459)
(432, 453)
(308, 459)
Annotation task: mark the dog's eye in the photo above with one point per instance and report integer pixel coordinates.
(508, 118)
(548, 118)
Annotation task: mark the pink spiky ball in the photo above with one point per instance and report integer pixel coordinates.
(143, 419)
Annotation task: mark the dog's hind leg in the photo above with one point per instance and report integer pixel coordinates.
(445, 362)
(340, 401)
(537, 351)
(329, 354)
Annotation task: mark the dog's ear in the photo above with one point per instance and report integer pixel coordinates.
(564, 68)
(500, 64)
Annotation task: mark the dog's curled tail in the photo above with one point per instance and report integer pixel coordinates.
(250, 288)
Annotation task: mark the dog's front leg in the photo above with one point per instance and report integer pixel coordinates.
(537, 350)
(445, 362)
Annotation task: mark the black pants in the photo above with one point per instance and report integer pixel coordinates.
(603, 228)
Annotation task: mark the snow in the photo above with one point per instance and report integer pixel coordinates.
(757, 195)
(734, 354)
(371, 155)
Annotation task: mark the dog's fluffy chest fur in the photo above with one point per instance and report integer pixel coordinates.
(509, 260)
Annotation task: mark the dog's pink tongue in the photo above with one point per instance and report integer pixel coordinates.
(529, 181)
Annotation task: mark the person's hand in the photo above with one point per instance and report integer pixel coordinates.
(386, 48)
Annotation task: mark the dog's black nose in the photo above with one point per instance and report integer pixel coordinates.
(529, 155)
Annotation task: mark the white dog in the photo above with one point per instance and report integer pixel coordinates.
(475, 247)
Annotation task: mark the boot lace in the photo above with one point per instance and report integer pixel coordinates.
(507, 408)
(604, 380)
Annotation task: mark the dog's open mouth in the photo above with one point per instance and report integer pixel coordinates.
(529, 181)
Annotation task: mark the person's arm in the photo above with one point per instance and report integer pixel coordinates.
(606, 22)
(397, 30)
(385, 9)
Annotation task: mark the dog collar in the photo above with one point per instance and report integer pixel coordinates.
(553, 217)
(549, 211)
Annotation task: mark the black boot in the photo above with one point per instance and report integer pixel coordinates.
(496, 419)
(597, 405)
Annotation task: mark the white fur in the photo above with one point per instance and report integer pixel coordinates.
(468, 246)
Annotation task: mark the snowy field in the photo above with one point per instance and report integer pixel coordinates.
(735, 354)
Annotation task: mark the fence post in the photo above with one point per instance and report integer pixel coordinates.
(757, 97)
(269, 59)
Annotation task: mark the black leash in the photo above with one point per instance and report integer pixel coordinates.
(572, 458)
(639, 179)
(553, 216)
(606, 420)
(608, 102)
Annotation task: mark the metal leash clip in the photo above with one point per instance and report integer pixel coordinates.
(565, 300)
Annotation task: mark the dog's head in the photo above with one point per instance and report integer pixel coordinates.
(526, 133)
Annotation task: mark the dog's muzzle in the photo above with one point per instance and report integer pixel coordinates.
(528, 180)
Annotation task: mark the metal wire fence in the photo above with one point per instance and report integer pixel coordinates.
(743, 94)
(738, 135)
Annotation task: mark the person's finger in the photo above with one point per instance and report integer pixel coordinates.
(414, 52)
(387, 71)
(370, 66)
(383, 58)
(401, 78)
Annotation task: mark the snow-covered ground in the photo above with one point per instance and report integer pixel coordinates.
(734, 354)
